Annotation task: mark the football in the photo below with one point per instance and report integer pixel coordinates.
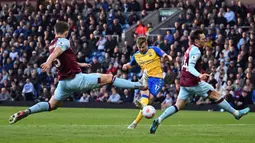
(149, 112)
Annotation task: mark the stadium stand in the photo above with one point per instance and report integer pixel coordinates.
(96, 30)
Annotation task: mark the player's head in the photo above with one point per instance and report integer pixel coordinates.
(142, 44)
(198, 37)
(61, 28)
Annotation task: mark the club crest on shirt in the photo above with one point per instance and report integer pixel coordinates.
(194, 57)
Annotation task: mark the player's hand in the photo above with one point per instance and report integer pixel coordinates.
(85, 65)
(204, 76)
(170, 58)
(46, 66)
(124, 67)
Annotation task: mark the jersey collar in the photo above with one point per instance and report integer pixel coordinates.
(144, 52)
(196, 45)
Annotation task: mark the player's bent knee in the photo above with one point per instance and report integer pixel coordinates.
(53, 107)
(214, 95)
(106, 78)
(54, 104)
(180, 104)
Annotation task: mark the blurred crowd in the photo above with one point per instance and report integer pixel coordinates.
(95, 35)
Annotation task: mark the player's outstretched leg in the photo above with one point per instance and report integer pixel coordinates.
(167, 113)
(236, 113)
(226, 106)
(154, 126)
(104, 79)
(122, 83)
(18, 116)
(242, 112)
(143, 101)
(39, 107)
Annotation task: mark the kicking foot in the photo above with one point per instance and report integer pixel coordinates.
(242, 112)
(154, 126)
(144, 80)
(132, 126)
(18, 116)
(138, 104)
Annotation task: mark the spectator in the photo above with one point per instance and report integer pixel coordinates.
(135, 6)
(140, 29)
(126, 97)
(110, 44)
(95, 65)
(116, 28)
(85, 97)
(13, 54)
(230, 16)
(45, 95)
(4, 95)
(101, 43)
(169, 37)
(15, 92)
(111, 69)
(220, 19)
(103, 98)
(132, 18)
(28, 91)
(34, 58)
(244, 100)
(167, 102)
(114, 97)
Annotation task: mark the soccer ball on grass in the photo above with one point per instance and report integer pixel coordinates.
(149, 112)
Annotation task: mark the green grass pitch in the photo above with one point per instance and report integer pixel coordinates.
(82, 125)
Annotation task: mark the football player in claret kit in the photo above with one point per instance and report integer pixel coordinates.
(192, 82)
(149, 59)
(71, 79)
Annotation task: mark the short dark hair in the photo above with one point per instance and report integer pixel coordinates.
(61, 27)
(140, 41)
(195, 35)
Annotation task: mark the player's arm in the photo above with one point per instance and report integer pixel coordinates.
(167, 57)
(57, 52)
(129, 65)
(162, 54)
(84, 64)
(61, 46)
(194, 56)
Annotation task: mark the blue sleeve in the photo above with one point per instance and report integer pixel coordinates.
(253, 96)
(63, 43)
(133, 61)
(194, 55)
(158, 51)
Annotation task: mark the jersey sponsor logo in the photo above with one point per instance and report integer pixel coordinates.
(145, 62)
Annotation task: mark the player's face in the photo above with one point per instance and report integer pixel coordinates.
(143, 48)
(66, 33)
(202, 40)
